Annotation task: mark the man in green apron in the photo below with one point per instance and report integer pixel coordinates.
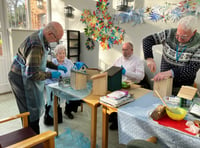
(27, 72)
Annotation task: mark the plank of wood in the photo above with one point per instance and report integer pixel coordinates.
(187, 92)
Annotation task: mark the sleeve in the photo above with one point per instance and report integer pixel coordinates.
(33, 62)
(154, 39)
(190, 69)
(51, 65)
(138, 73)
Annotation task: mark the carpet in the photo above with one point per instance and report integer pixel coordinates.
(72, 139)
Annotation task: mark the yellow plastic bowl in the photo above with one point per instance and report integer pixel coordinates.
(176, 113)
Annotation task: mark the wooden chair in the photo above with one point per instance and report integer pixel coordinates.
(26, 137)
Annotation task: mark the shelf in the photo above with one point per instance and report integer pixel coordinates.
(73, 45)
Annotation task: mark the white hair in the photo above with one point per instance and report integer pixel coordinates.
(188, 23)
(60, 47)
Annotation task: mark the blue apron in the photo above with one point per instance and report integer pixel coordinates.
(34, 89)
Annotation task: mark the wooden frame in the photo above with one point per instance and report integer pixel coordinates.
(100, 84)
(187, 92)
(92, 71)
(46, 138)
(163, 87)
(78, 80)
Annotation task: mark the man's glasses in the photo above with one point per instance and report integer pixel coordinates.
(183, 37)
(57, 40)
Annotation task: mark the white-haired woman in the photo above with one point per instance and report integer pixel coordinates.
(60, 53)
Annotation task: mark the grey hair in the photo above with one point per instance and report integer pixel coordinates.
(130, 44)
(60, 47)
(188, 23)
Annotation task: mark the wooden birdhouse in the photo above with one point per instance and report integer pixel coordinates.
(92, 71)
(99, 84)
(78, 80)
(163, 87)
(186, 93)
(114, 78)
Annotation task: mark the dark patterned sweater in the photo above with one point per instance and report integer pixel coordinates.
(186, 66)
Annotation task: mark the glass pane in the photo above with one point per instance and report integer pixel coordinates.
(73, 35)
(18, 13)
(38, 13)
(73, 43)
(1, 44)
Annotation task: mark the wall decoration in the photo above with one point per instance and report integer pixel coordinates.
(99, 27)
(168, 12)
(89, 44)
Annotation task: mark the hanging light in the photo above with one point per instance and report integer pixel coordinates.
(68, 11)
(123, 5)
(40, 4)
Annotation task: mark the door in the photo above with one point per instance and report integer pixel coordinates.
(5, 59)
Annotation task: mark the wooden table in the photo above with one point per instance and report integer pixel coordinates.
(106, 110)
(92, 101)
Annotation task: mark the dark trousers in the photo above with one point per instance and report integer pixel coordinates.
(72, 106)
(17, 86)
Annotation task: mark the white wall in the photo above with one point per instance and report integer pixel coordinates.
(104, 58)
(16, 37)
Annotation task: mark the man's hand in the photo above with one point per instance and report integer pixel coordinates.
(151, 64)
(63, 68)
(123, 70)
(162, 75)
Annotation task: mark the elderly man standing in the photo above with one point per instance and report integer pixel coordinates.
(181, 53)
(28, 71)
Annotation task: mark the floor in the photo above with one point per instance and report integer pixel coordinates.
(81, 121)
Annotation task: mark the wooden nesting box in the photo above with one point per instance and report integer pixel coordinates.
(187, 92)
(99, 84)
(163, 87)
(92, 71)
(114, 78)
(78, 80)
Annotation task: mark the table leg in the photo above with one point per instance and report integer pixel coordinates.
(104, 127)
(93, 126)
(55, 114)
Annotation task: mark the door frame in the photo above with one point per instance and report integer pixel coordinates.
(5, 59)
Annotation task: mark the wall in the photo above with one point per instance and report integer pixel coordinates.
(15, 38)
(104, 58)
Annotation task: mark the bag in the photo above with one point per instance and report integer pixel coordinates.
(48, 120)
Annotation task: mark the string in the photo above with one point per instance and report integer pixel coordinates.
(179, 55)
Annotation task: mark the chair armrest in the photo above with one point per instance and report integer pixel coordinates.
(47, 138)
(24, 117)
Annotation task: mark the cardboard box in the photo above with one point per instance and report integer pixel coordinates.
(114, 78)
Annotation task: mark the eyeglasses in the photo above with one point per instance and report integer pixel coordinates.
(57, 40)
(183, 37)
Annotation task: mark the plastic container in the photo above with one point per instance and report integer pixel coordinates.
(176, 113)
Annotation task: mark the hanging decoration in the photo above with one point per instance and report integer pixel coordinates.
(89, 44)
(99, 27)
(168, 12)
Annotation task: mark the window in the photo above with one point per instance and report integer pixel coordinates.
(1, 44)
(27, 14)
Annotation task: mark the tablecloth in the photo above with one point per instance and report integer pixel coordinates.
(135, 123)
(66, 93)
